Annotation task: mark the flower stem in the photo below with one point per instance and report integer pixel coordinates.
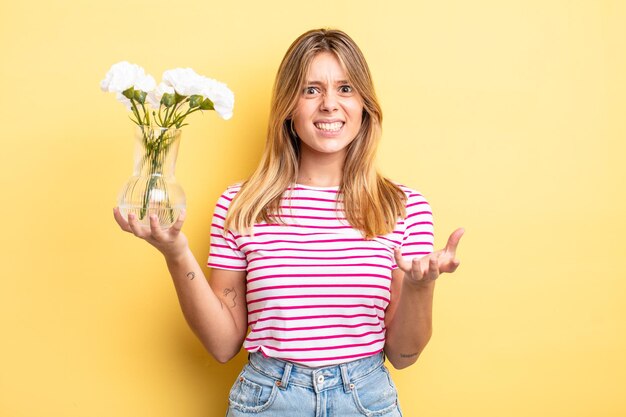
(146, 113)
(180, 119)
(156, 150)
(136, 111)
(176, 107)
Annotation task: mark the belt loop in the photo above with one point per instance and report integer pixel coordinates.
(347, 386)
(284, 382)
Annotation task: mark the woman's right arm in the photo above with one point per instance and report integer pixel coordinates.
(216, 312)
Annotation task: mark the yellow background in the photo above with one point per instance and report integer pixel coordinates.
(507, 115)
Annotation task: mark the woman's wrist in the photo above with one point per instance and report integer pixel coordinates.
(423, 286)
(177, 258)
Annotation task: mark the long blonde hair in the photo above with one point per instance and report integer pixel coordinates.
(371, 202)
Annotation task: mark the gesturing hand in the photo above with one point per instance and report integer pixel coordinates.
(170, 241)
(424, 270)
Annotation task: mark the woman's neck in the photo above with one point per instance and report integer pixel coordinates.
(320, 170)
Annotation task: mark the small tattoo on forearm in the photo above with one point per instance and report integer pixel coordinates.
(191, 275)
(411, 355)
(229, 297)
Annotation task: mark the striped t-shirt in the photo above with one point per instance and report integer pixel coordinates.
(316, 289)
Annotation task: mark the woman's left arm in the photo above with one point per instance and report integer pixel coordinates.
(409, 315)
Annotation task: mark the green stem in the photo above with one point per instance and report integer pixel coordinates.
(152, 156)
(168, 122)
(156, 153)
(136, 111)
(160, 116)
(180, 119)
(167, 115)
(147, 114)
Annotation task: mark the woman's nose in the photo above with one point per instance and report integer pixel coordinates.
(329, 102)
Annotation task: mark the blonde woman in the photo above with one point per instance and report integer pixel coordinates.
(320, 267)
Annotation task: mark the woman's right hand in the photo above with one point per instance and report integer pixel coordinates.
(171, 242)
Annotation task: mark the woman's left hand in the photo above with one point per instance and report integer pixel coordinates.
(423, 271)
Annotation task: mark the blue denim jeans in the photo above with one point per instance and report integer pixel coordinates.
(271, 387)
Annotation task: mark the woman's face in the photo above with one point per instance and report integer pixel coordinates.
(329, 111)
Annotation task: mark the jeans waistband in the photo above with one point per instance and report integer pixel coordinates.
(320, 379)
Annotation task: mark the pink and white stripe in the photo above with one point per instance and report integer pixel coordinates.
(316, 290)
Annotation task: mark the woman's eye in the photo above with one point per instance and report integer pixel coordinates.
(310, 90)
(345, 89)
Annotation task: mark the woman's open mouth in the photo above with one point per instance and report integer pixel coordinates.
(329, 129)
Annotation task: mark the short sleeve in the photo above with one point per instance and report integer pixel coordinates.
(418, 238)
(224, 252)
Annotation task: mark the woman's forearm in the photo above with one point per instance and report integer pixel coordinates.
(411, 327)
(212, 322)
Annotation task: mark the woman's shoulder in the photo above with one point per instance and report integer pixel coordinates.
(233, 189)
(418, 209)
(410, 192)
(229, 193)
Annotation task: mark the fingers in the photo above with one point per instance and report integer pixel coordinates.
(454, 265)
(152, 233)
(416, 269)
(120, 220)
(448, 262)
(419, 269)
(431, 266)
(155, 228)
(400, 261)
(453, 241)
(433, 269)
(426, 268)
(178, 225)
(136, 228)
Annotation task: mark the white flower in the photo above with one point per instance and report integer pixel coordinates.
(124, 75)
(223, 99)
(144, 82)
(187, 83)
(154, 96)
(132, 85)
(184, 80)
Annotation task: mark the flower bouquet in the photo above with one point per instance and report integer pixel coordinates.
(159, 111)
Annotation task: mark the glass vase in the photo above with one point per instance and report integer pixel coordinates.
(153, 187)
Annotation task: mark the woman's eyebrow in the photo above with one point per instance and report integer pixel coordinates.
(315, 82)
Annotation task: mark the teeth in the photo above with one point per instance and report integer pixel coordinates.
(330, 127)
